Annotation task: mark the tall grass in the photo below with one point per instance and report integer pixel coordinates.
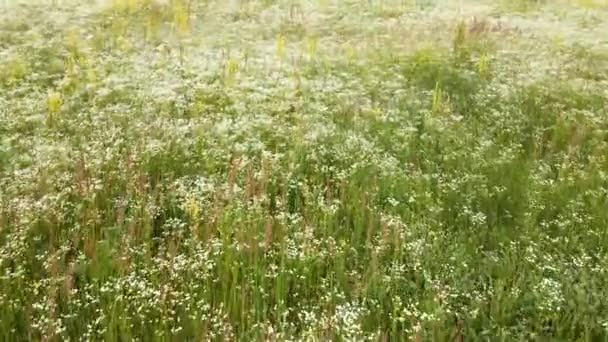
(290, 170)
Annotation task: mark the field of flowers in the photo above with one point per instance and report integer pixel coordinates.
(351, 170)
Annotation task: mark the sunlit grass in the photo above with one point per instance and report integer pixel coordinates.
(303, 170)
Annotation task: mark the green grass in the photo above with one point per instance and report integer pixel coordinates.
(303, 170)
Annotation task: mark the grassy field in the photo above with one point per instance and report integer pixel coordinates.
(269, 170)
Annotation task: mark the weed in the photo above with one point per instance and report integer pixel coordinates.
(297, 170)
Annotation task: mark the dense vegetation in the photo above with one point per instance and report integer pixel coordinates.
(304, 170)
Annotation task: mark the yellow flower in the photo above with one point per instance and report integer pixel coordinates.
(54, 102)
(483, 66)
(280, 45)
(311, 45)
(181, 19)
(193, 210)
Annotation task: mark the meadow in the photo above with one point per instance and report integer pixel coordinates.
(304, 170)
